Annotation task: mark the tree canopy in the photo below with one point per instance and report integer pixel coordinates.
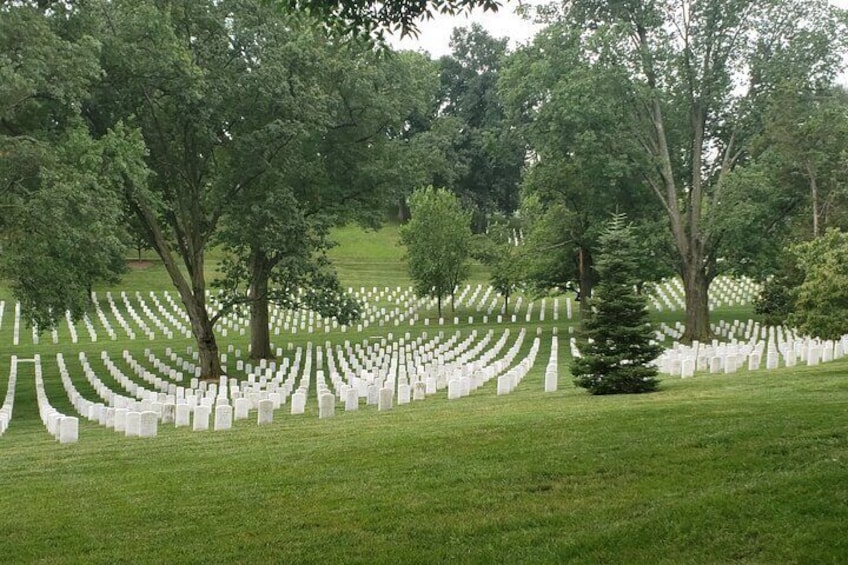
(437, 241)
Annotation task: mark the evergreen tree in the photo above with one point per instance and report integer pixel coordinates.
(616, 342)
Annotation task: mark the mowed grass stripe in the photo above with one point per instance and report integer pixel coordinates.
(724, 468)
(744, 468)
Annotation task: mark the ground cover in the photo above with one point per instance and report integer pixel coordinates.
(746, 467)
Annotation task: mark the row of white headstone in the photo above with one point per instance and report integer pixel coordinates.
(140, 418)
(130, 416)
(779, 349)
(9, 402)
(136, 316)
(63, 428)
(669, 294)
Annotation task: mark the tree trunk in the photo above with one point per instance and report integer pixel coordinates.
(696, 284)
(192, 295)
(585, 282)
(814, 196)
(439, 303)
(210, 360)
(403, 211)
(260, 335)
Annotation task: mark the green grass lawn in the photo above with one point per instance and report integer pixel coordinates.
(747, 468)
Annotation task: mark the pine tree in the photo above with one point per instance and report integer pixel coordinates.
(616, 340)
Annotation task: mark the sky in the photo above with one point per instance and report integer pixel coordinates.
(434, 36)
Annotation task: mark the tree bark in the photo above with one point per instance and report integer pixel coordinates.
(192, 295)
(585, 281)
(696, 285)
(207, 347)
(814, 196)
(260, 335)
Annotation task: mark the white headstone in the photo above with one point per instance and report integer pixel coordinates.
(454, 389)
(326, 405)
(551, 381)
(223, 417)
(148, 424)
(133, 424)
(372, 394)
(266, 412)
(687, 368)
(182, 415)
(168, 413)
(351, 399)
(121, 419)
(384, 401)
(419, 390)
(715, 364)
(504, 384)
(68, 430)
(242, 407)
(404, 394)
(201, 417)
(298, 402)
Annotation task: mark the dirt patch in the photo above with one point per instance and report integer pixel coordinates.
(139, 265)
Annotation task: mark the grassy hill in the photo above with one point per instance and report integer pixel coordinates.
(746, 468)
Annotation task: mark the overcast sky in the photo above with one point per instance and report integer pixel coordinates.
(435, 34)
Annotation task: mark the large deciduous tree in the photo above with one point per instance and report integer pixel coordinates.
(334, 170)
(221, 92)
(60, 221)
(693, 78)
(580, 170)
(487, 151)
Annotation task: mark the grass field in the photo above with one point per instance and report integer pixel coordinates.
(743, 468)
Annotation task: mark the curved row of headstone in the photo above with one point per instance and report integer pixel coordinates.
(775, 345)
(141, 417)
(509, 381)
(9, 402)
(472, 363)
(668, 294)
(63, 428)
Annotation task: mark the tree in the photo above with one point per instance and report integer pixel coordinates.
(437, 240)
(693, 78)
(332, 171)
(61, 226)
(804, 138)
(228, 90)
(616, 343)
(821, 304)
(501, 251)
(488, 152)
(370, 18)
(580, 168)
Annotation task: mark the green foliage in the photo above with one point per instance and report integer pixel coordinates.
(776, 301)
(61, 227)
(437, 240)
(66, 235)
(487, 153)
(686, 85)
(821, 306)
(616, 340)
(501, 252)
(370, 20)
